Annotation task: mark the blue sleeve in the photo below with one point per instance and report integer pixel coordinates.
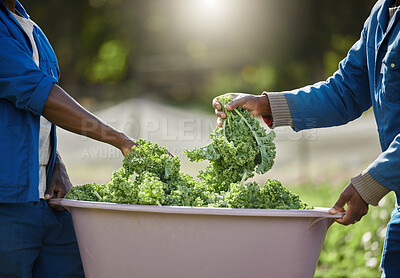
(21, 81)
(340, 99)
(385, 169)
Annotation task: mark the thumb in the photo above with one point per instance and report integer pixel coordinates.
(339, 205)
(234, 103)
(48, 194)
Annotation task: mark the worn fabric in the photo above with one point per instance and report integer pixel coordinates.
(24, 88)
(37, 242)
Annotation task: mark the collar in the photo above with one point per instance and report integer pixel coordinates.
(383, 14)
(18, 7)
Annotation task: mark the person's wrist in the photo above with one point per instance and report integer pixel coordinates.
(126, 144)
(263, 106)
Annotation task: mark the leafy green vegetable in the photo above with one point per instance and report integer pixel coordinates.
(150, 189)
(272, 196)
(238, 149)
(88, 192)
(241, 148)
(122, 189)
(149, 176)
(150, 157)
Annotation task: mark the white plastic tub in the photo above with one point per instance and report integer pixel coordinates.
(125, 241)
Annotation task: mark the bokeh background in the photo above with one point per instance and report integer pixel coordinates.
(152, 67)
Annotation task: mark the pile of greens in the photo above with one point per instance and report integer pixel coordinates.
(149, 176)
(239, 149)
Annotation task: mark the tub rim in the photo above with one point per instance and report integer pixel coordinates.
(317, 212)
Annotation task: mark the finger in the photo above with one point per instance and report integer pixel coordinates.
(339, 205)
(60, 194)
(353, 214)
(48, 196)
(348, 218)
(220, 114)
(216, 104)
(49, 192)
(235, 103)
(339, 211)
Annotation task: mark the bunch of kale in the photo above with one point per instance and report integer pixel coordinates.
(239, 149)
(149, 176)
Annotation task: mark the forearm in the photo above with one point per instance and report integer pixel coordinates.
(336, 101)
(63, 111)
(330, 103)
(321, 105)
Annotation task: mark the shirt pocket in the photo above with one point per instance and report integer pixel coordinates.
(391, 76)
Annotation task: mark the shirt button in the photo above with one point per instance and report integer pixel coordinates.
(392, 66)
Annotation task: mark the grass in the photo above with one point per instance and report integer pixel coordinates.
(349, 251)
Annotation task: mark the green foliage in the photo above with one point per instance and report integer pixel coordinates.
(340, 45)
(122, 190)
(253, 53)
(150, 189)
(88, 192)
(110, 64)
(185, 191)
(272, 196)
(238, 149)
(255, 78)
(150, 176)
(150, 157)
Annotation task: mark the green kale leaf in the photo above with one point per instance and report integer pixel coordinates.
(238, 149)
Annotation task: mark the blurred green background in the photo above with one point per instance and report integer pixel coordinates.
(188, 51)
(151, 68)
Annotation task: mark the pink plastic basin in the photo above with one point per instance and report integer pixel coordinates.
(125, 241)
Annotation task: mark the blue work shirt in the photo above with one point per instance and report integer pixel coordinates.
(368, 76)
(24, 88)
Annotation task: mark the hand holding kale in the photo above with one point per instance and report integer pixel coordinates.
(239, 148)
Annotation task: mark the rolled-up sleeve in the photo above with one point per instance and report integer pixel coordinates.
(21, 81)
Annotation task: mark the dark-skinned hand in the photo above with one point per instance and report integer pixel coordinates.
(356, 206)
(257, 105)
(127, 148)
(59, 183)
